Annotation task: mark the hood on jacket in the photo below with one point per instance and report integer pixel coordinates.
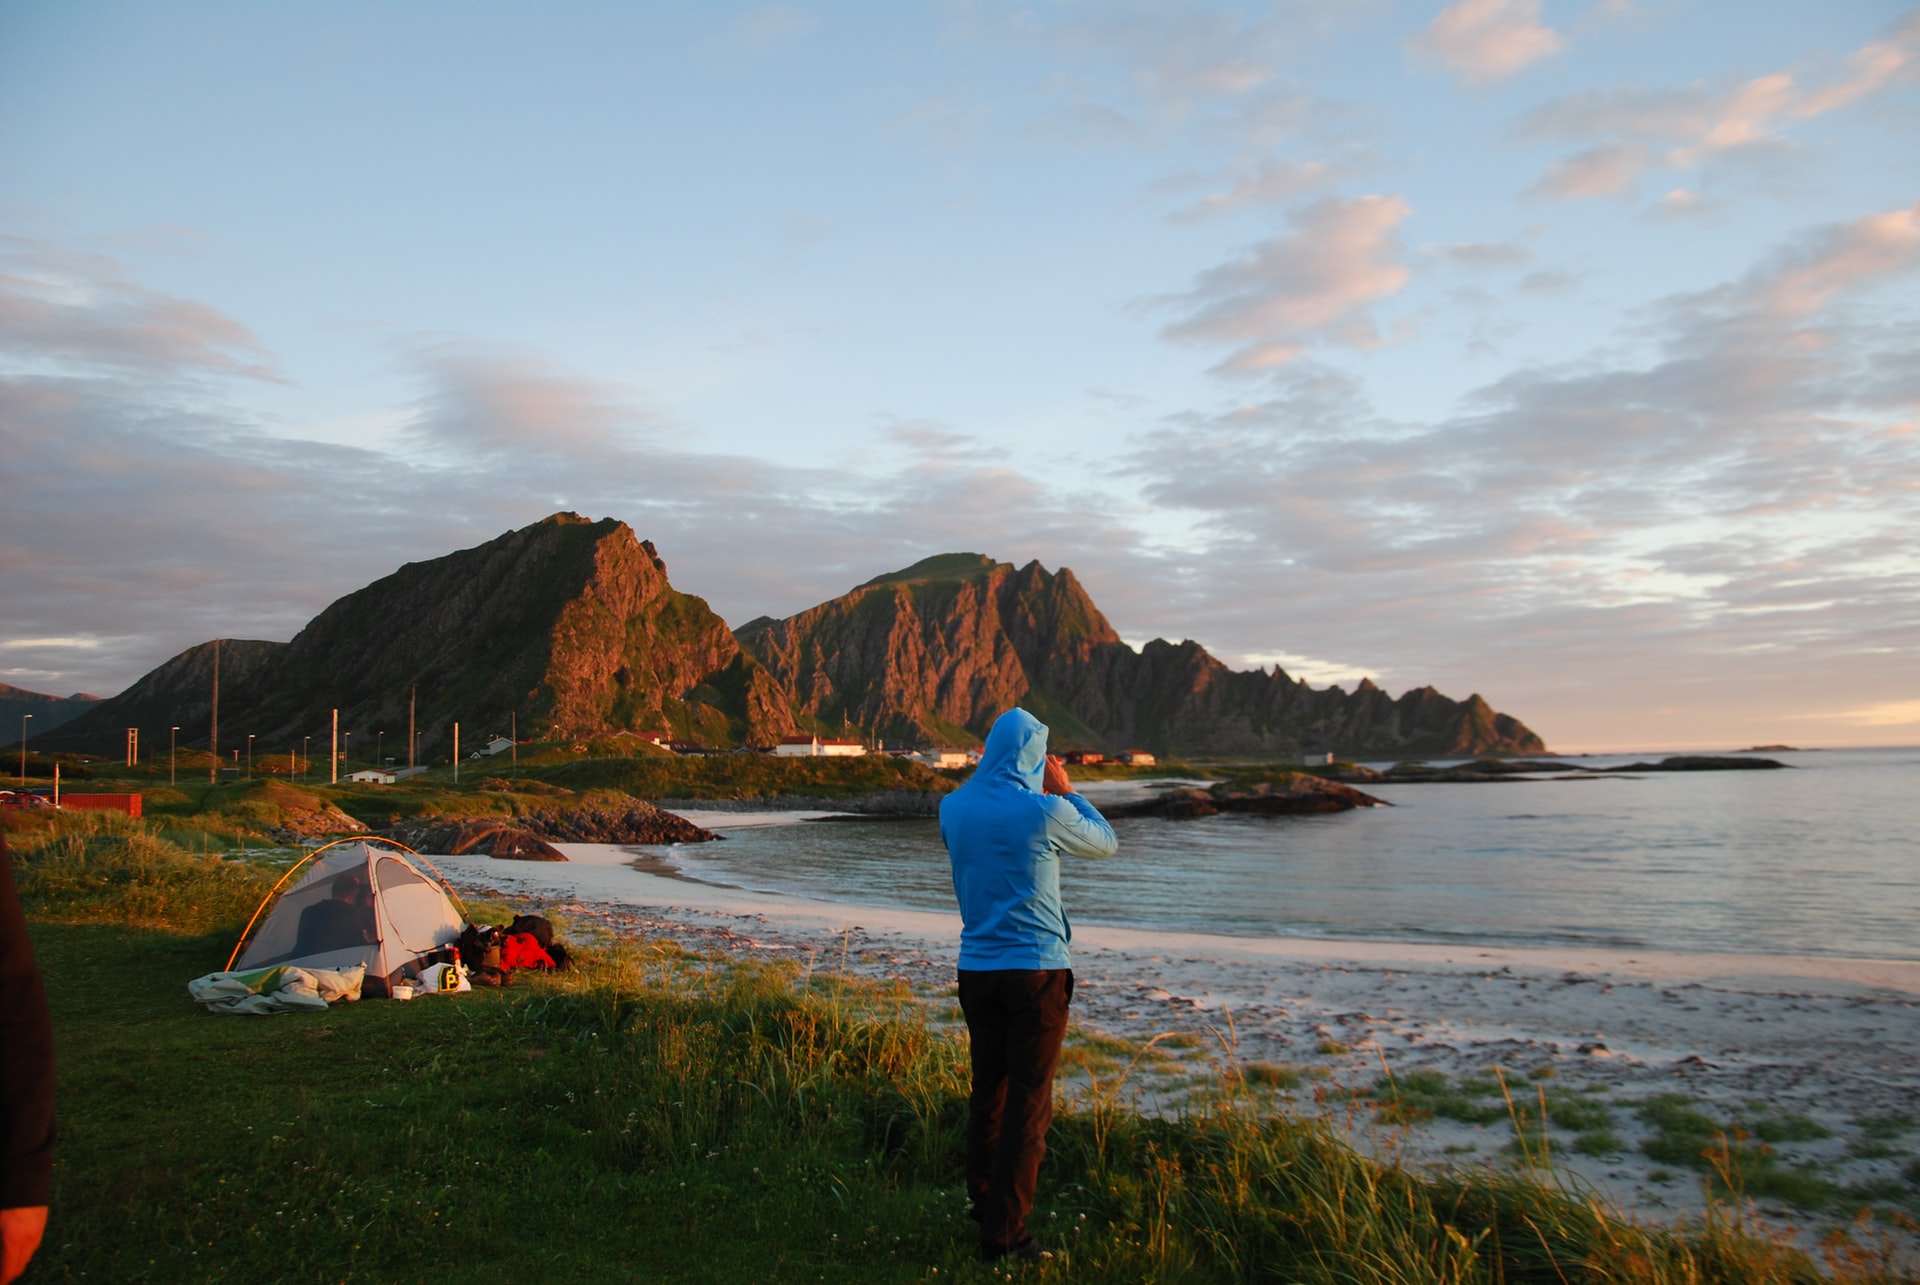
(1016, 751)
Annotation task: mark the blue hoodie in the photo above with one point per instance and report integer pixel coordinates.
(1004, 838)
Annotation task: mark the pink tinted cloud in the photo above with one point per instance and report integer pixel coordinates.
(1317, 282)
(1836, 260)
(1482, 41)
(80, 309)
(1632, 129)
(490, 400)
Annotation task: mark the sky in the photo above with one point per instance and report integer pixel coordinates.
(1567, 353)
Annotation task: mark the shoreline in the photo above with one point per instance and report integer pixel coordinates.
(1819, 1043)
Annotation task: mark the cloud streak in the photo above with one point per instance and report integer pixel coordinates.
(1316, 283)
(1628, 130)
(82, 311)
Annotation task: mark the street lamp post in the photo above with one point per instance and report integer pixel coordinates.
(23, 747)
(305, 741)
(379, 747)
(346, 749)
(249, 756)
(173, 748)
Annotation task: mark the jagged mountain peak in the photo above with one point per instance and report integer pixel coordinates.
(570, 627)
(934, 652)
(565, 628)
(939, 567)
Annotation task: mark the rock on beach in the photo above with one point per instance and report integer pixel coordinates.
(531, 837)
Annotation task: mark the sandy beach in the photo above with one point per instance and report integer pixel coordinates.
(1819, 1053)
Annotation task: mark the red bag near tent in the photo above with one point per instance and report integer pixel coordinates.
(523, 950)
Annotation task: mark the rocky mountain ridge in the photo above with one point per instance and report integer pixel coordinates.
(934, 652)
(46, 711)
(568, 629)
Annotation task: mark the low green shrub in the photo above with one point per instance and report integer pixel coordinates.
(103, 867)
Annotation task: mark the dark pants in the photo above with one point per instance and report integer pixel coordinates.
(1017, 1019)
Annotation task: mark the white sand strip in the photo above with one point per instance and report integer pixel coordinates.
(607, 874)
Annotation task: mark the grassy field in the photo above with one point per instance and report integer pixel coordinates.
(659, 1115)
(240, 809)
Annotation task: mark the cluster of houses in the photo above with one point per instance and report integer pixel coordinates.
(788, 747)
(817, 747)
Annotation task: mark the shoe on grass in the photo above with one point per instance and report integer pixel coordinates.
(1027, 1251)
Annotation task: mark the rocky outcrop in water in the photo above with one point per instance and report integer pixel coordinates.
(1701, 763)
(1300, 794)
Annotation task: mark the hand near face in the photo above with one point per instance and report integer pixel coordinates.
(1053, 777)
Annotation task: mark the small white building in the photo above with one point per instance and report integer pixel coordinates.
(814, 747)
(1137, 758)
(941, 758)
(498, 745)
(1316, 758)
(376, 776)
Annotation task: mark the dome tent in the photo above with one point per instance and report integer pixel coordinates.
(354, 903)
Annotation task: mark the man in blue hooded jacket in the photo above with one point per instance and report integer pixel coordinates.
(1005, 830)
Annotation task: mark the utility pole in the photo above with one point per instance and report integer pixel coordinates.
(133, 747)
(456, 753)
(412, 696)
(513, 733)
(173, 748)
(213, 738)
(23, 747)
(333, 759)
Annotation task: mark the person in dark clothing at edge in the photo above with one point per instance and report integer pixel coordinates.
(1005, 830)
(26, 1087)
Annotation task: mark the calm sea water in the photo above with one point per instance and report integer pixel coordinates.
(1821, 859)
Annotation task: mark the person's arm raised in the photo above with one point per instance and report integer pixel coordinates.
(1086, 833)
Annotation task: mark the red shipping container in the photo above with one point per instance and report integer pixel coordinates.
(127, 803)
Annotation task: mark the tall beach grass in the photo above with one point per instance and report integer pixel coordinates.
(663, 1114)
